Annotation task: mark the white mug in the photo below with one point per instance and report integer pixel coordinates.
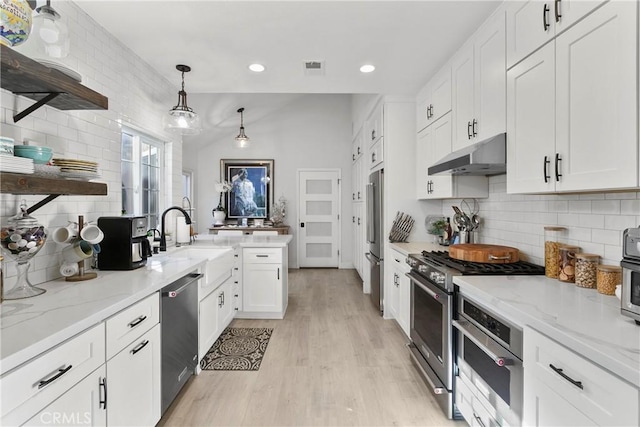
(64, 234)
(92, 234)
(77, 251)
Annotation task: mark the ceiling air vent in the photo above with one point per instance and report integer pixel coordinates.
(313, 68)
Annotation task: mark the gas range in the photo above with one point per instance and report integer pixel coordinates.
(440, 268)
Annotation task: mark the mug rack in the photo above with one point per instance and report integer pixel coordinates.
(82, 274)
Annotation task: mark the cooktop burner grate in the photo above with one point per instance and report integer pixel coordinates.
(481, 268)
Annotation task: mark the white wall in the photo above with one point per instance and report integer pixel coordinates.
(594, 221)
(137, 94)
(312, 131)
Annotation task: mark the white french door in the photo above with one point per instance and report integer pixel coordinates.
(318, 217)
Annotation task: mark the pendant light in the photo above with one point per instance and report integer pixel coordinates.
(49, 35)
(242, 140)
(182, 119)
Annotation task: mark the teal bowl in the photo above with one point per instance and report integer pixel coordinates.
(39, 157)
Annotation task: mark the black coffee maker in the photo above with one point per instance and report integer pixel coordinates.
(125, 245)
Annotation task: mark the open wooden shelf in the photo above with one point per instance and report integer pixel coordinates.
(16, 183)
(24, 76)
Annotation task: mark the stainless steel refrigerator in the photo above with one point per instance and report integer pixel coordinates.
(375, 229)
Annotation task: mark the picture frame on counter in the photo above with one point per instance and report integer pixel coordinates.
(251, 193)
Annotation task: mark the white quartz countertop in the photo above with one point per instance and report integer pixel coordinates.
(582, 319)
(31, 326)
(417, 247)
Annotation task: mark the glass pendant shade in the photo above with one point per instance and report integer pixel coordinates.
(181, 118)
(242, 140)
(49, 35)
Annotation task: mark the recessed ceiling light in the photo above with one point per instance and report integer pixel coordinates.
(256, 68)
(368, 68)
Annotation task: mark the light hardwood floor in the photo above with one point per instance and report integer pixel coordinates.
(332, 361)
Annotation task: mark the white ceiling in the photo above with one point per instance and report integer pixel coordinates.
(407, 41)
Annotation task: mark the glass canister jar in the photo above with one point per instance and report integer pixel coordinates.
(567, 263)
(609, 276)
(586, 270)
(552, 238)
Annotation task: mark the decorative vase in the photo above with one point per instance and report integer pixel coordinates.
(21, 239)
(218, 217)
(15, 22)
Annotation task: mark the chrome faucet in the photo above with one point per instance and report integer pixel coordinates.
(163, 237)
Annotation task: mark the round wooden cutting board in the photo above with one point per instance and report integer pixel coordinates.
(494, 254)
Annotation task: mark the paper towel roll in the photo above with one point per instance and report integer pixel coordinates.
(183, 231)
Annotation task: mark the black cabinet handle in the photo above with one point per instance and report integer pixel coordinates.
(545, 13)
(353, 219)
(567, 377)
(103, 386)
(373, 134)
(545, 170)
(353, 156)
(60, 372)
(136, 322)
(473, 128)
(557, 10)
(358, 195)
(373, 157)
(278, 273)
(358, 220)
(353, 196)
(558, 174)
(478, 419)
(358, 150)
(142, 345)
(468, 130)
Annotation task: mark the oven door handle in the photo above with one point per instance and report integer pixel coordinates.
(481, 339)
(418, 281)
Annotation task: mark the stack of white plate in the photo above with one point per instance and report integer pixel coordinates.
(77, 169)
(16, 164)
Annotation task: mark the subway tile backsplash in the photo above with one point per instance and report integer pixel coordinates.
(594, 221)
(138, 95)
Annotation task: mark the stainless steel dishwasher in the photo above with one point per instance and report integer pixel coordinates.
(179, 324)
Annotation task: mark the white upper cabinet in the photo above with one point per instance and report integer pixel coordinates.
(572, 116)
(374, 125)
(434, 100)
(479, 85)
(357, 146)
(531, 24)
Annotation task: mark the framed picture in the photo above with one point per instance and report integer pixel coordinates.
(251, 193)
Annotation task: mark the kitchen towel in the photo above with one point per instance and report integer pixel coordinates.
(183, 231)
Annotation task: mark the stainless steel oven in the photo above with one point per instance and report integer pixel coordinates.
(432, 311)
(489, 360)
(630, 297)
(431, 348)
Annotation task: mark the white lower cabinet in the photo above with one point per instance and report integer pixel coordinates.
(397, 302)
(562, 388)
(26, 390)
(264, 283)
(133, 382)
(82, 405)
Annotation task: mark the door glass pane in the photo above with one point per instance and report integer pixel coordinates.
(145, 202)
(319, 250)
(318, 229)
(127, 200)
(153, 156)
(318, 186)
(153, 201)
(154, 178)
(145, 177)
(318, 208)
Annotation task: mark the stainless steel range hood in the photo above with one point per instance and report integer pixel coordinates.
(488, 157)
